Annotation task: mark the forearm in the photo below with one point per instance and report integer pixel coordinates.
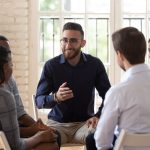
(40, 137)
(26, 120)
(39, 146)
(26, 132)
(45, 101)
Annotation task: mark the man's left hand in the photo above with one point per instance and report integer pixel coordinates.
(92, 122)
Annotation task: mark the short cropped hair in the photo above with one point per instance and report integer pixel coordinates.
(131, 43)
(73, 26)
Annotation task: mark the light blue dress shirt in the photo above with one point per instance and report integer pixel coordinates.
(127, 105)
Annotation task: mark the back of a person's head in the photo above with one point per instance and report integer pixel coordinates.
(4, 58)
(73, 26)
(131, 43)
(3, 38)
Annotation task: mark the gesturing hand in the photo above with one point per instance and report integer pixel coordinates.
(64, 93)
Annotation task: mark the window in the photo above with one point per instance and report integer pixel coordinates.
(99, 19)
(95, 22)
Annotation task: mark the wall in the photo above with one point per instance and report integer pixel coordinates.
(15, 16)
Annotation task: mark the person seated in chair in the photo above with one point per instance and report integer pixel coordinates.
(44, 139)
(67, 86)
(27, 125)
(127, 104)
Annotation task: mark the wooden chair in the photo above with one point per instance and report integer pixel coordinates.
(132, 140)
(3, 142)
(35, 111)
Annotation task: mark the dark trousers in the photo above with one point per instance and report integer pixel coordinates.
(90, 142)
(58, 138)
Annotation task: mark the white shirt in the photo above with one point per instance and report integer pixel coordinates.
(127, 105)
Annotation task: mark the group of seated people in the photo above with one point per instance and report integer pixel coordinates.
(67, 86)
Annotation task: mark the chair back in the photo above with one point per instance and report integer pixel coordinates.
(132, 140)
(3, 142)
(35, 111)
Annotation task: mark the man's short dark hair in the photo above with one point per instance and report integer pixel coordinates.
(131, 43)
(73, 26)
(3, 38)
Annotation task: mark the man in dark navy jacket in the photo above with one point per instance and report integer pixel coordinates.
(67, 86)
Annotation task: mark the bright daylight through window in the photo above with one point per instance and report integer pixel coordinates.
(99, 21)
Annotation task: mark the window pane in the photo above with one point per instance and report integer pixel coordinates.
(98, 38)
(148, 2)
(98, 6)
(96, 27)
(50, 36)
(103, 33)
(135, 21)
(149, 27)
(134, 6)
(75, 18)
(77, 6)
(49, 5)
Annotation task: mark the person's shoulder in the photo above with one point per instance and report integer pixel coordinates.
(5, 93)
(94, 61)
(53, 60)
(117, 89)
(92, 58)
(2, 91)
(7, 100)
(10, 84)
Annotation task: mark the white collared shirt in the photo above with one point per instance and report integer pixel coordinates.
(127, 105)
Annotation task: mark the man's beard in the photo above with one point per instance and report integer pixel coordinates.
(71, 53)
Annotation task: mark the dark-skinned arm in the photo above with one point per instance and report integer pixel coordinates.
(25, 125)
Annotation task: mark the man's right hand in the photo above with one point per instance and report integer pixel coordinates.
(64, 93)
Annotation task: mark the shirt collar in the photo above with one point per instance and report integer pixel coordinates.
(135, 69)
(62, 58)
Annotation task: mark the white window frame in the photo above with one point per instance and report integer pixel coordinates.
(115, 22)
